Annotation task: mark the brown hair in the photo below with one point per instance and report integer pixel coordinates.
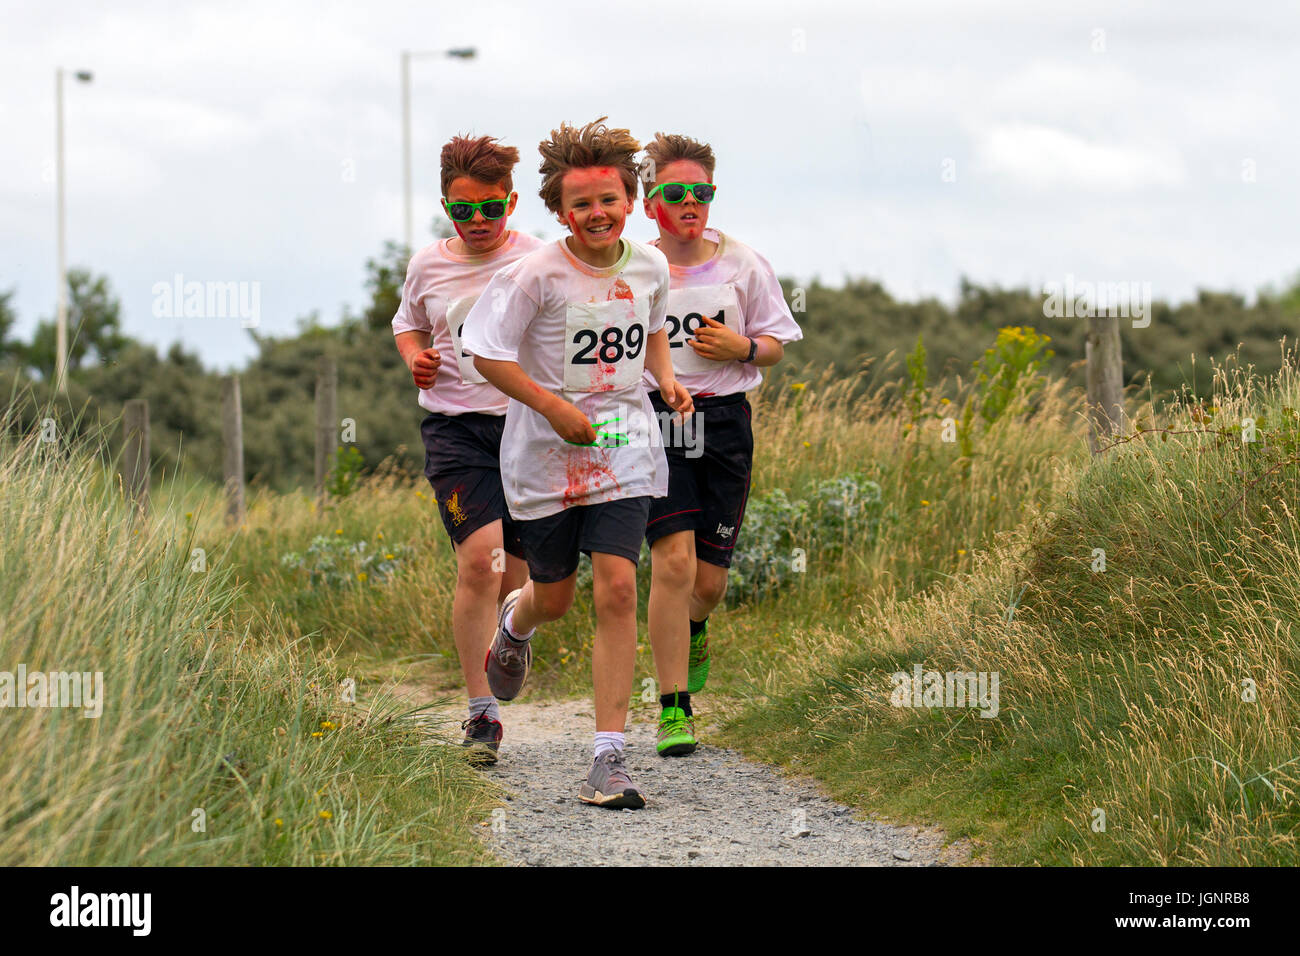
(593, 145)
(665, 149)
(484, 159)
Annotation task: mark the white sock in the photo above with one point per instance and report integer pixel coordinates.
(607, 741)
(485, 707)
(510, 628)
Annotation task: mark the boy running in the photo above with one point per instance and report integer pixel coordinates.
(568, 333)
(462, 432)
(727, 317)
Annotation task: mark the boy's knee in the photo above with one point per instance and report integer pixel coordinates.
(617, 597)
(674, 565)
(475, 570)
(551, 603)
(711, 589)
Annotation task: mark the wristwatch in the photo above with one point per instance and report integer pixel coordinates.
(753, 350)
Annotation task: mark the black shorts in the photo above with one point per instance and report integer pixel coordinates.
(551, 544)
(706, 493)
(462, 460)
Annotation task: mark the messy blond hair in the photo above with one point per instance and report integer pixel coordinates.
(593, 145)
(669, 148)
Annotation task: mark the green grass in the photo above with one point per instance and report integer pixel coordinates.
(224, 736)
(1121, 690)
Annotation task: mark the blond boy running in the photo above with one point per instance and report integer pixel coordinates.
(727, 318)
(462, 432)
(567, 333)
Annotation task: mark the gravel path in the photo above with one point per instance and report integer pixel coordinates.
(714, 807)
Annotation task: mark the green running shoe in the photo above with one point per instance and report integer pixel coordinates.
(698, 663)
(676, 735)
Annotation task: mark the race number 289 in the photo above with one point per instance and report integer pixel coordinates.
(610, 346)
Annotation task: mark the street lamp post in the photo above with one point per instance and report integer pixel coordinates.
(463, 53)
(61, 326)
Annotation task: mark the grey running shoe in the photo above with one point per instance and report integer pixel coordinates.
(507, 660)
(482, 738)
(608, 784)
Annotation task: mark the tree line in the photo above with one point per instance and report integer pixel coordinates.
(849, 328)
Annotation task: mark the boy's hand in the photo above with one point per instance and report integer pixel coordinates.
(424, 367)
(675, 394)
(716, 342)
(571, 424)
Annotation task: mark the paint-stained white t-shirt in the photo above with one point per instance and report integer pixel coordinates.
(581, 333)
(738, 288)
(441, 286)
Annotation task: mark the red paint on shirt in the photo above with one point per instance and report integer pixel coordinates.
(585, 475)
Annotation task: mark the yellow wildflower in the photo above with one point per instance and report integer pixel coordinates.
(361, 576)
(798, 386)
(326, 815)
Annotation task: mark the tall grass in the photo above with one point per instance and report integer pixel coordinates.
(224, 738)
(1149, 711)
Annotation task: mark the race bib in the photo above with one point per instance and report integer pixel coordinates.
(456, 313)
(604, 344)
(686, 311)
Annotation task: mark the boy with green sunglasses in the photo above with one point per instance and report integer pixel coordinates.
(726, 318)
(465, 414)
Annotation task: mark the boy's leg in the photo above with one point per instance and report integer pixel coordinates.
(474, 607)
(612, 533)
(710, 586)
(672, 579)
(726, 466)
(613, 658)
(551, 547)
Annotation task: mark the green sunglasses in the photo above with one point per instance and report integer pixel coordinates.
(464, 211)
(676, 192)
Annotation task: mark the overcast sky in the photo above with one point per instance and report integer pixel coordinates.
(911, 142)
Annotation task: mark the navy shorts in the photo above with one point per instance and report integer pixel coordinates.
(551, 544)
(706, 493)
(462, 460)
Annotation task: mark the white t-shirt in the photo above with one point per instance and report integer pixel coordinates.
(581, 333)
(737, 287)
(441, 286)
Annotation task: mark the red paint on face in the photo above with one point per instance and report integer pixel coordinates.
(684, 221)
(479, 235)
(594, 198)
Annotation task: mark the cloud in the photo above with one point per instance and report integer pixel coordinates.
(1045, 157)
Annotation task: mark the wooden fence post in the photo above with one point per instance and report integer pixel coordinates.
(232, 458)
(135, 453)
(1105, 380)
(327, 387)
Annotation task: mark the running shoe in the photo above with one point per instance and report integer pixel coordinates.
(507, 660)
(608, 784)
(482, 738)
(676, 734)
(698, 663)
